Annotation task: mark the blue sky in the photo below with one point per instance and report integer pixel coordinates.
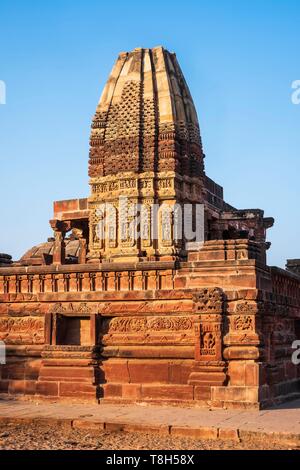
(239, 59)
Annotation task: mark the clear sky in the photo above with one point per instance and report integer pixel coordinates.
(239, 58)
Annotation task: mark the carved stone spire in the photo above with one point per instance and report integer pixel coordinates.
(145, 145)
(146, 119)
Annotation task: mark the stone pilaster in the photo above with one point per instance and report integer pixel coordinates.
(209, 370)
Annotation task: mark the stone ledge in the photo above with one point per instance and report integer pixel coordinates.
(197, 433)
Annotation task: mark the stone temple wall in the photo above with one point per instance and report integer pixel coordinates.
(212, 333)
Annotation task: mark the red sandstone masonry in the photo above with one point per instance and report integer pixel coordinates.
(134, 321)
(197, 433)
(167, 363)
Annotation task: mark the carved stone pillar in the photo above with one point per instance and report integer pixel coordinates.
(82, 251)
(60, 229)
(209, 370)
(59, 249)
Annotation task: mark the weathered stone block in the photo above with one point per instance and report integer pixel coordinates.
(76, 390)
(150, 371)
(197, 433)
(235, 394)
(112, 390)
(116, 371)
(47, 388)
(131, 391)
(167, 392)
(202, 392)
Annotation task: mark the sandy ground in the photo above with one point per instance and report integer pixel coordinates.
(46, 437)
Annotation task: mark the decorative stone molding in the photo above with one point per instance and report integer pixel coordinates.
(209, 300)
(73, 308)
(25, 330)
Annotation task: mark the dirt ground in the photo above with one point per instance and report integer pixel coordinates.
(46, 437)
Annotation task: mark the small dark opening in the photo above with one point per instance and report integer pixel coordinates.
(73, 331)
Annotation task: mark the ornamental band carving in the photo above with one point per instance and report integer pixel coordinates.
(26, 330)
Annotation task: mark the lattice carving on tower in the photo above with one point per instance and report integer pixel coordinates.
(145, 141)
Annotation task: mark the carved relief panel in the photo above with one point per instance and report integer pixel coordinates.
(208, 303)
(147, 330)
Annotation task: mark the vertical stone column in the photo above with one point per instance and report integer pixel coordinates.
(82, 251)
(209, 370)
(48, 328)
(59, 248)
(93, 329)
(60, 229)
(242, 349)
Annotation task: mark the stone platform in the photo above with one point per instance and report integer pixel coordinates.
(281, 423)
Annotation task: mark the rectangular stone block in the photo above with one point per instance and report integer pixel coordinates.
(236, 372)
(243, 373)
(167, 392)
(16, 386)
(76, 389)
(67, 373)
(202, 392)
(162, 430)
(47, 388)
(211, 255)
(180, 282)
(179, 372)
(195, 433)
(87, 425)
(131, 391)
(229, 434)
(116, 371)
(30, 387)
(148, 372)
(235, 394)
(112, 390)
(252, 374)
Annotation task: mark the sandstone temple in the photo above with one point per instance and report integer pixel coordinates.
(98, 313)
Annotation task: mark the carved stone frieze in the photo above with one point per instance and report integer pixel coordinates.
(209, 300)
(151, 330)
(25, 330)
(243, 322)
(76, 308)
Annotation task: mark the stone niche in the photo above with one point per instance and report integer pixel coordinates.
(70, 337)
(73, 331)
(71, 324)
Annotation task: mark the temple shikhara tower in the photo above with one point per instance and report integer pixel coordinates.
(120, 305)
(145, 146)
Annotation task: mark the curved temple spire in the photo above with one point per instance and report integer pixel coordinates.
(146, 119)
(145, 146)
